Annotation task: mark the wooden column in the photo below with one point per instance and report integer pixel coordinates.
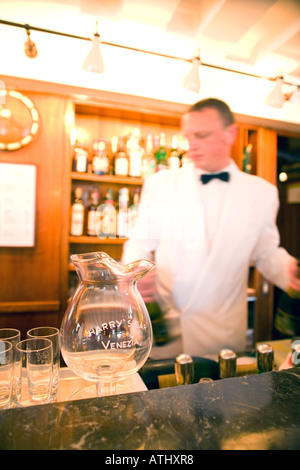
(266, 164)
(266, 167)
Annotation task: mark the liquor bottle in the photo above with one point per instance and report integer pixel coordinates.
(100, 161)
(135, 153)
(184, 152)
(114, 151)
(148, 160)
(80, 159)
(173, 160)
(77, 214)
(227, 364)
(265, 358)
(93, 214)
(122, 215)
(133, 209)
(247, 158)
(295, 353)
(161, 155)
(184, 369)
(291, 292)
(121, 160)
(108, 226)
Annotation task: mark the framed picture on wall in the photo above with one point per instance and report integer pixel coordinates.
(17, 204)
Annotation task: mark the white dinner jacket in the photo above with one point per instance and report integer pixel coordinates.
(205, 288)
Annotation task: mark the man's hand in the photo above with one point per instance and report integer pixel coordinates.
(146, 286)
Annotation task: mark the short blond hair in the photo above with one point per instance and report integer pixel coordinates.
(220, 106)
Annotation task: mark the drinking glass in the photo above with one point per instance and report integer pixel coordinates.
(6, 373)
(51, 333)
(13, 336)
(33, 371)
(10, 334)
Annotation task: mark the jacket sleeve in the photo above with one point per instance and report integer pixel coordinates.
(270, 259)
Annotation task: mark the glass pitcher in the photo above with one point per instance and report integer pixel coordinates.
(106, 332)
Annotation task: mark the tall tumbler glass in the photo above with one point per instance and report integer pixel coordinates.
(13, 336)
(51, 333)
(6, 373)
(33, 371)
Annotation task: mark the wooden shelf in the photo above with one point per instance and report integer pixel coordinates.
(96, 240)
(106, 178)
(132, 111)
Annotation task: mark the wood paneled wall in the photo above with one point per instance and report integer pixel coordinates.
(33, 281)
(30, 288)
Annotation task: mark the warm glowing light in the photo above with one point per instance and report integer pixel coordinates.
(73, 136)
(282, 176)
(16, 94)
(5, 113)
(34, 128)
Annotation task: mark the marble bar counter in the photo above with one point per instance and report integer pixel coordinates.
(251, 412)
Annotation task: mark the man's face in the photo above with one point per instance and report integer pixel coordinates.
(209, 140)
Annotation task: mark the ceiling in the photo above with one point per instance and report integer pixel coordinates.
(255, 36)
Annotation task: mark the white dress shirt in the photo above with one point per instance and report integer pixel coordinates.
(204, 238)
(213, 195)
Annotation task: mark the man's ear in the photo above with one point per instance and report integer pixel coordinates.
(232, 133)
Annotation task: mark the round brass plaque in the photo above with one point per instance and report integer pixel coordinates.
(19, 120)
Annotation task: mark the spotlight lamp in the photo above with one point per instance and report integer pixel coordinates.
(94, 61)
(294, 97)
(276, 98)
(30, 47)
(192, 80)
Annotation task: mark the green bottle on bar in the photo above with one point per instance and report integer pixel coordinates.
(161, 155)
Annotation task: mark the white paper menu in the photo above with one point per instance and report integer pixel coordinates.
(17, 204)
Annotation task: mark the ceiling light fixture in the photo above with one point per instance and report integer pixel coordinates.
(276, 98)
(294, 97)
(195, 61)
(192, 79)
(94, 61)
(30, 47)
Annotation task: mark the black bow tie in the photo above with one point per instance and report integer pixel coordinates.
(206, 177)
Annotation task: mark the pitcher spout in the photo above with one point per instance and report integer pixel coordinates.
(134, 270)
(100, 267)
(139, 268)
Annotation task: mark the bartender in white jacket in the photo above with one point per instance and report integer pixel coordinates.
(204, 235)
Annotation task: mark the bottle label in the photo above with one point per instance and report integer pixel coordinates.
(132, 215)
(81, 160)
(100, 165)
(108, 221)
(135, 164)
(123, 223)
(92, 222)
(121, 167)
(77, 220)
